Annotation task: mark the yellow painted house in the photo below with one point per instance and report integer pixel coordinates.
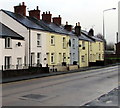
(57, 49)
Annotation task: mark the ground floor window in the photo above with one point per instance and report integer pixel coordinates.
(52, 58)
(83, 58)
(38, 58)
(7, 62)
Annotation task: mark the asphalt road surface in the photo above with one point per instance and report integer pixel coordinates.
(74, 89)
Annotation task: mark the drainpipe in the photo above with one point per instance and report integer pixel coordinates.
(88, 53)
(29, 48)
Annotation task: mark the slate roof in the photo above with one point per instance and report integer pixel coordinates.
(92, 37)
(84, 37)
(33, 23)
(7, 32)
(51, 27)
(23, 20)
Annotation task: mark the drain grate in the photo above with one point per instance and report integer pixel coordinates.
(34, 96)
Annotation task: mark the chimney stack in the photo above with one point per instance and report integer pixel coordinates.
(91, 32)
(35, 13)
(78, 29)
(57, 20)
(20, 9)
(68, 27)
(47, 17)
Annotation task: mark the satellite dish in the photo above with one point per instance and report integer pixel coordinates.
(19, 44)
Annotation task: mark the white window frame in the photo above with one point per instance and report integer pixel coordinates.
(52, 41)
(8, 42)
(73, 44)
(64, 42)
(38, 58)
(83, 58)
(52, 58)
(38, 40)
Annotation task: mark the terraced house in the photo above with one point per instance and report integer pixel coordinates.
(49, 43)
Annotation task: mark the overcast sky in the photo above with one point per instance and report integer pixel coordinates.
(88, 12)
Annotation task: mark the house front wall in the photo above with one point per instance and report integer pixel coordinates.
(74, 49)
(83, 53)
(35, 48)
(15, 52)
(57, 51)
(99, 48)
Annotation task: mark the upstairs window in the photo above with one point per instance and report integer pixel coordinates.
(90, 46)
(38, 40)
(64, 42)
(52, 40)
(8, 43)
(99, 47)
(83, 45)
(73, 44)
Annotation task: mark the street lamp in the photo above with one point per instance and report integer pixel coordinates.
(103, 21)
(104, 29)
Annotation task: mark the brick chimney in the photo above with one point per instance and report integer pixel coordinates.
(68, 27)
(91, 32)
(47, 17)
(35, 13)
(78, 29)
(21, 9)
(57, 20)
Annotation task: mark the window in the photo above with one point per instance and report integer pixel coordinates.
(19, 61)
(64, 57)
(64, 42)
(38, 40)
(73, 56)
(52, 40)
(90, 46)
(52, 58)
(38, 58)
(8, 42)
(99, 57)
(73, 43)
(99, 47)
(83, 58)
(7, 62)
(83, 45)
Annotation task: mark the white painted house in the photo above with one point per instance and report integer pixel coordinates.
(34, 35)
(12, 48)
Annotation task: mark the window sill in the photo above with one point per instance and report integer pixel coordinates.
(52, 44)
(39, 46)
(8, 48)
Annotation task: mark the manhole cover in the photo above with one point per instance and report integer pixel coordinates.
(34, 96)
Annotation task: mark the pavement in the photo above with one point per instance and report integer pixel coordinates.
(14, 79)
(111, 99)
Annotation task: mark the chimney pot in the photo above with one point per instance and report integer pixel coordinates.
(37, 8)
(23, 3)
(78, 23)
(49, 12)
(66, 23)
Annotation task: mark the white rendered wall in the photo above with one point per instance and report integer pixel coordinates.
(15, 52)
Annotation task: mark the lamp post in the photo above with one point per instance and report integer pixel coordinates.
(104, 30)
(104, 22)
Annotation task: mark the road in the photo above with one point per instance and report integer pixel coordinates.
(74, 89)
